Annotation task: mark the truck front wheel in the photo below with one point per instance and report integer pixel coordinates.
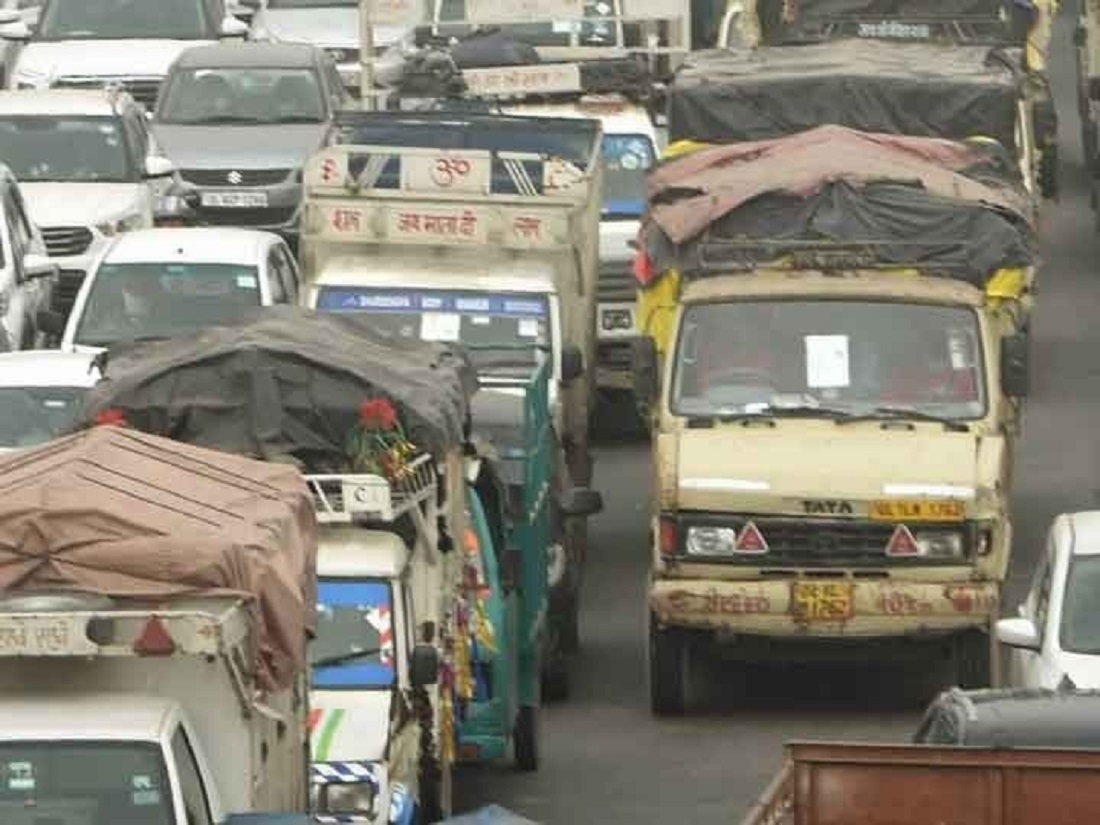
(972, 660)
(669, 667)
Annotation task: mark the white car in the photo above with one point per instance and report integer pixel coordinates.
(1055, 640)
(161, 283)
(90, 43)
(41, 392)
(88, 169)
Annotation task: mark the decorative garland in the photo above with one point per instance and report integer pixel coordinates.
(377, 443)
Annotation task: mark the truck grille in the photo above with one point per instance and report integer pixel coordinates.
(822, 542)
(616, 282)
(266, 216)
(66, 240)
(240, 177)
(144, 90)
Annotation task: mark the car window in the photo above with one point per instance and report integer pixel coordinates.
(65, 149)
(34, 415)
(275, 283)
(243, 95)
(17, 228)
(191, 787)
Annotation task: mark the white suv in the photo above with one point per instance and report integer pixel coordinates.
(27, 276)
(87, 167)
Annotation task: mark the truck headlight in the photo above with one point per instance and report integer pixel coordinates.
(939, 544)
(711, 541)
(349, 798)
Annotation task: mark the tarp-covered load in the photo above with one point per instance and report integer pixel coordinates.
(927, 90)
(288, 383)
(943, 206)
(136, 517)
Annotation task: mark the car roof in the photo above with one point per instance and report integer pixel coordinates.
(1085, 532)
(94, 102)
(70, 715)
(189, 244)
(47, 368)
(1024, 717)
(249, 55)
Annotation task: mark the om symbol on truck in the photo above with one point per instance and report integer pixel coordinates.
(447, 170)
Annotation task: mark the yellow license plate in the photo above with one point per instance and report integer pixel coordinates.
(821, 601)
(901, 510)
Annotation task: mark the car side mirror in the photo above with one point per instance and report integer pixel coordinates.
(581, 502)
(50, 322)
(243, 10)
(644, 366)
(157, 166)
(1019, 632)
(38, 266)
(17, 31)
(572, 363)
(233, 28)
(1014, 365)
(424, 666)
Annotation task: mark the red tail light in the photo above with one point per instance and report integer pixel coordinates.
(751, 540)
(155, 640)
(669, 537)
(902, 544)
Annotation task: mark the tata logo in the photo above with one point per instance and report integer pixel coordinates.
(234, 177)
(827, 507)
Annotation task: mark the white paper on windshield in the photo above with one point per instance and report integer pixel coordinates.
(20, 776)
(827, 361)
(440, 326)
(528, 328)
(481, 320)
(246, 281)
(143, 791)
(957, 347)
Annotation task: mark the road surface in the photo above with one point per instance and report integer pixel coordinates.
(606, 759)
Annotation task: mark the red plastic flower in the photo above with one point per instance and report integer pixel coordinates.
(111, 417)
(378, 414)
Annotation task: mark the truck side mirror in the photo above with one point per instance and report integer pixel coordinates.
(572, 363)
(1014, 365)
(581, 502)
(644, 366)
(424, 666)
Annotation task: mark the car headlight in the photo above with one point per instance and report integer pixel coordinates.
(348, 798)
(939, 544)
(711, 541)
(119, 225)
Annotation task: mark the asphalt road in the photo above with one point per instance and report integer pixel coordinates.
(606, 759)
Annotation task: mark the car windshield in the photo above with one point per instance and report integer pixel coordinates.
(626, 159)
(65, 149)
(1080, 618)
(245, 96)
(34, 415)
(354, 643)
(753, 357)
(124, 20)
(478, 319)
(123, 783)
(551, 33)
(141, 301)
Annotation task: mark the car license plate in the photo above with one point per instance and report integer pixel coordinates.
(42, 636)
(234, 200)
(902, 510)
(821, 601)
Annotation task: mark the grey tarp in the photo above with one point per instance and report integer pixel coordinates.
(287, 383)
(133, 516)
(920, 89)
(938, 203)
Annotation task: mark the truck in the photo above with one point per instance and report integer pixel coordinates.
(836, 361)
(832, 782)
(474, 229)
(380, 449)
(155, 606)
(1020, 31)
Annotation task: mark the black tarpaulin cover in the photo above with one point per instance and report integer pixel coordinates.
(921, 89)
(288, 382)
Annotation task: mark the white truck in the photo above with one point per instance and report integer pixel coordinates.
(132, 694)
(479, 229)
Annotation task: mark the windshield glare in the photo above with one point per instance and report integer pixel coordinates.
(354, 623)
(1080, 619)
(138, 301)
(626, 159)
(123, 783)
(124, 19)
(35, 415)
(499, 320)
(748, 357)
(243, 96)
(68, 149)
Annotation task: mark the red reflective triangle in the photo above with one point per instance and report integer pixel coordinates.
(155, 640)
(902, 543)
(751, 540)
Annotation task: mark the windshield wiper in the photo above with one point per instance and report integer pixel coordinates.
(902, 413)
(768, 412)
(207, 121)
(298, 119)
(343, 658)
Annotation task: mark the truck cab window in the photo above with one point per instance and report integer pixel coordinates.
(191, 784)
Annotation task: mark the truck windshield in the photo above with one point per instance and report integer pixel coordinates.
(471, 318)
(626, 159)
(755, 357)
(354, 647)
(124, 20)
(116, 783)
(1080, 619)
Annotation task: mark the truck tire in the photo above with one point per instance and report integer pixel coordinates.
(555, 671)
(429, 808)
(669, 666)
(525, 738)
(973, 660)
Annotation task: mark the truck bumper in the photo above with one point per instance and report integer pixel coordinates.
(836, 608)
